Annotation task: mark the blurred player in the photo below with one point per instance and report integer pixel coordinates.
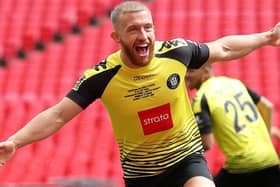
(240, 120)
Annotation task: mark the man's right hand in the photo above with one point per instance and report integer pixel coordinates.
(7, 150)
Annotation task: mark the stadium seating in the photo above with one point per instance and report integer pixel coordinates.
(35, 79)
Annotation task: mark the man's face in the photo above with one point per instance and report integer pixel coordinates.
(194, 78)
(135, 33)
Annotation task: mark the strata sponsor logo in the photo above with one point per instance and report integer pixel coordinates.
(173, 81)
(156, 119)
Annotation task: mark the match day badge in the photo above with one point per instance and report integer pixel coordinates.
(173, 81)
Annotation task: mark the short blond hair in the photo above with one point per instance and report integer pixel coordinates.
(127, 6)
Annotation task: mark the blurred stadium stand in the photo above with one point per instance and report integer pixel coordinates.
(46, 44)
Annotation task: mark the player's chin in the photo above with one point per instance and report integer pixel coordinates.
(142, 60)
(143, 63)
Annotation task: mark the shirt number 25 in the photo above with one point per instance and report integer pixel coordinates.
(240, 107)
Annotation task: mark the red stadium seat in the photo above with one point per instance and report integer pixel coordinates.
(87, 54)
(33, 69)
(33, 23)
(51, 71)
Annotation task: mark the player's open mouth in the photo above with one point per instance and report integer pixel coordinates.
(142, 50)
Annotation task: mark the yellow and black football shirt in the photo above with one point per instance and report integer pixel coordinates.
(226, 107)
(149, 107)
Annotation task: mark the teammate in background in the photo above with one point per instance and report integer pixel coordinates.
(240, 120)
(142, 87)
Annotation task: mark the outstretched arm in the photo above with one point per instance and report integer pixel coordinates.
(41, 126)
(236, 46)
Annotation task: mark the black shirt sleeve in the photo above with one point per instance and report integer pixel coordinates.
(88, 89)
(203, 118)
(190, 53)
(200, 54)
(256, 97)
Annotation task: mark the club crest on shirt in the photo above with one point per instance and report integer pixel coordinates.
(173, 81)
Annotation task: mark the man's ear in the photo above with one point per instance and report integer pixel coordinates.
(205, 72)
(115, 37)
